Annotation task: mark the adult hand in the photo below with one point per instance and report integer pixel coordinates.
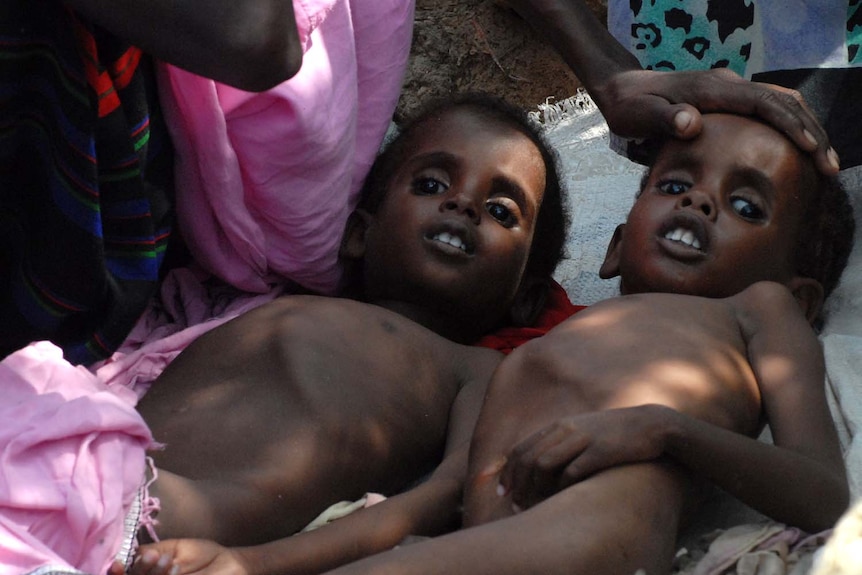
(644, 103)
(573, 448)
(641, 103)
(188, 557)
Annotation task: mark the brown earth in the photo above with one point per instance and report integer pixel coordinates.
(464, 45)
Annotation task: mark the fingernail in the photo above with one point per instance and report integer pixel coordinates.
(833, 158)
(163, 561)
(501, 491)
(175, 570)
(682, 120)
(810, 137)
(516, 508)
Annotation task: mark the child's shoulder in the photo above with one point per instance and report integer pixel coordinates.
(771, 304)
(764, 296)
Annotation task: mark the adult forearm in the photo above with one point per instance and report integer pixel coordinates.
(581, 40)
(785, 485)
(641, 103)
(252, 44)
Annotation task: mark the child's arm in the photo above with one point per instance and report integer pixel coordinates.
(807, 482)
(431, 508)
(645, 103)
(800, 480)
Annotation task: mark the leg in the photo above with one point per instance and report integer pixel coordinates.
(614, 523)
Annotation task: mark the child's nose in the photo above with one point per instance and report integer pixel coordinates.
(700, 200)
(462, 203)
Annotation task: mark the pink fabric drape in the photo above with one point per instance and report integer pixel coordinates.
(72, 457)
(266, 180)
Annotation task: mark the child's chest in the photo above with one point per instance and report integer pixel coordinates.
(686, 353)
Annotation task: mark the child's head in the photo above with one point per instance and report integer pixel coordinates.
(462, 211)
(738, 204)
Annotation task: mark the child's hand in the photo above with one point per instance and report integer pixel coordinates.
(187, 557)
(573, 448)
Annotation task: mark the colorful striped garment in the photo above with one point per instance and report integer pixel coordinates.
(85, 182)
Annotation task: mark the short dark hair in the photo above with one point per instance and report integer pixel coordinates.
(825, 238)
(549, 233)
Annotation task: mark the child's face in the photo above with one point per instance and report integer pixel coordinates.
(717, 213)
(457, 220)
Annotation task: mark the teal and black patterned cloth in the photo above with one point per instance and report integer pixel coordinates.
(809, 45)
(85, 182)
(747, 36)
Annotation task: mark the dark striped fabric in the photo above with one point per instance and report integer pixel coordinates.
(85, 182)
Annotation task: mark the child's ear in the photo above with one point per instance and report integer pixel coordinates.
(611, 266)
(809, 295)
(529, 301)
(353, 241)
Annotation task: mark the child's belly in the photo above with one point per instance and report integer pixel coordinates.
(572, 372)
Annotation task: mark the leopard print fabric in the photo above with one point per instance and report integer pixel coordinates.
(702, 34)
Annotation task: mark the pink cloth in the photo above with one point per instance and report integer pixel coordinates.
(265, 183)
(73, 459)
(189, 306)
(266, 180)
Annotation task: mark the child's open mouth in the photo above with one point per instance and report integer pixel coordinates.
(684, 236)
(450, 240)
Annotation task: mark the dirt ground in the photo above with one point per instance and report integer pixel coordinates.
(461, 45)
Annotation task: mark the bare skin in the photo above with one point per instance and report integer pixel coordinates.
(602, 429)
(298, 393)
(641, 103)
(307, 401)
(690, 397)
(715, 362)
(252, 45)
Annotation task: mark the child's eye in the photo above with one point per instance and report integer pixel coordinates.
(673, 187)
(427, 186)
(501, 213)
(747, 208)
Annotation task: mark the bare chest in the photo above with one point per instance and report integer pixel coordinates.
(362, 386)
(686, 353)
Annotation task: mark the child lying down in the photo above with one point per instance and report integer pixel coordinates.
(593, 441)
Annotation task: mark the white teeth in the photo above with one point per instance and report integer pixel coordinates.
(683, 236)
(453, 241)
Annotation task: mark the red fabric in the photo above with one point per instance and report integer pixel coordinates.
(557, 309)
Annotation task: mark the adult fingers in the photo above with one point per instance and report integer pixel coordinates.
(722, 90)
(641, 105)
(787, 110)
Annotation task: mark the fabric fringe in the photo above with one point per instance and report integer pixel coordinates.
(549, 114)
(56, 570)
(141, 515)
